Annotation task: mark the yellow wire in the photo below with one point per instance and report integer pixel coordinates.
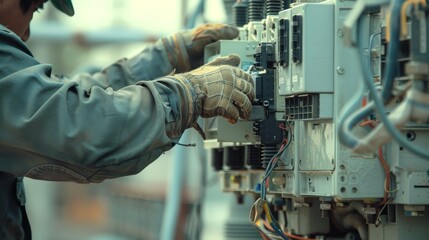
(404, 30)
(391, 191)
(404, 7)
(267, 212)
(388, 27)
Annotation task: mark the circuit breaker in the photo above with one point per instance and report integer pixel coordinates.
(306, 61)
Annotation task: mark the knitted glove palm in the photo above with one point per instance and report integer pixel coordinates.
(185, 50)
(218, 88)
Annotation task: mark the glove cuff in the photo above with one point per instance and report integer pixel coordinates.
(192, 99)
(194, 102)
(175, 47)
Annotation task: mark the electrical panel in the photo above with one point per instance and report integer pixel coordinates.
(336, 146)
(312, 48)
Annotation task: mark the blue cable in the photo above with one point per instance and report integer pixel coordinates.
(371, 41)
(393, 46)
(278, 231)
(351, 117)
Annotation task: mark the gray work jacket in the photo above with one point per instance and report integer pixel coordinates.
(83, 129)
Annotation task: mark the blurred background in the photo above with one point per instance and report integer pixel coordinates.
(177, 196)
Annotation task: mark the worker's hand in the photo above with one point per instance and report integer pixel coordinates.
(185, 50)
(218, 88)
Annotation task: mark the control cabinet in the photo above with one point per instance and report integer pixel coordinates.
(330, 77)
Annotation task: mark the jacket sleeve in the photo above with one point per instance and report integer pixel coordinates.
(149, 64)
(76, 129)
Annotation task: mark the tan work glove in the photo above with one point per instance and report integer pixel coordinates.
(185, 50)
(218, 88)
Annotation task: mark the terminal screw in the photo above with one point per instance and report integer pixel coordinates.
(340, 70)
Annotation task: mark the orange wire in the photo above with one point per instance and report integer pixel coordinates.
(264, 237)
(387, 172)
(371, 123)
(383, 163)
(297, 237)
(364, 101)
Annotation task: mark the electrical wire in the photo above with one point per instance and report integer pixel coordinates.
(387, 177)
(260, 212)
(370, 123)
(262, 218)
(391, 62)
(261, 205)
(404, 30)
(273, 162)
(379, 213)
(346, 123)
(264, 235)
(391, 191)
(266, 228)
(293, 236)
(290, 235)
(272, 221)
(371, 42)
(383, 163)
(392, 50)
(351, 117)
(386, 169)
(352, 114)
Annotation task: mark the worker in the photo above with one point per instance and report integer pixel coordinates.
(108, 124)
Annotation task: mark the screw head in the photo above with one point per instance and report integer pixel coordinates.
(340, 70)
(340, 32)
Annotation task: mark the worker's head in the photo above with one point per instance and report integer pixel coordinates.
(17, 14)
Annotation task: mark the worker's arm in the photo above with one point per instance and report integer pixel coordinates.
(180, 53)
(149, 64)
(59, 130)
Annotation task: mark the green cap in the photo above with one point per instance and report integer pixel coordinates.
(64, 6)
